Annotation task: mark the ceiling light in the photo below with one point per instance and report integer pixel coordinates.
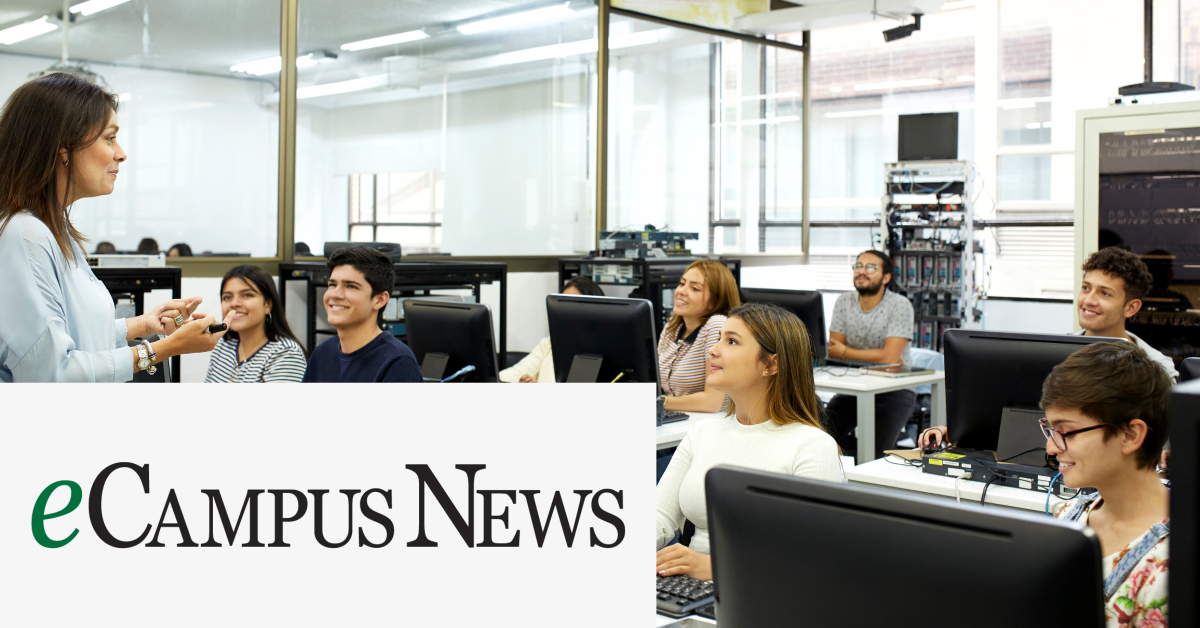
(28, 30)
(517, 19)
(272, 65)
(343, 87)
(835, 88)
(965, 78)
(865, 87)
(1034, 125)
(398, 38)
(95, 6)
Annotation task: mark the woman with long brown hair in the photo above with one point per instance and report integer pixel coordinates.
(706, 293)
(764, 363)
(259, 346)
(58, 144)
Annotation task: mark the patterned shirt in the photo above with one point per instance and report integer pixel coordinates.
(681, 360)
(1141, 600)
(892, 318)
(279, 360)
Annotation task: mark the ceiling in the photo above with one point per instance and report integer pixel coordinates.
(208, 36)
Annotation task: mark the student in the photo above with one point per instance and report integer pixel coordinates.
(106, 248)
(873, 324)
(1114, 282)
(58, 144)
(538, 366)
(1109, 437)
(704, 297)
(764, 363)
(259, 346)
(360, 284)
(179, 250)
(148, 246)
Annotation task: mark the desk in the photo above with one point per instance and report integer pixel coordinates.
(864, 388)
(136, 282)
(692, 621)
(883, 473)
(412, 278)
(671, 434)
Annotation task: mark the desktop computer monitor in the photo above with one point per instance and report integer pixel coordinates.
(788, 551)
(595, 339)
(987, 371)
(805, 304)
(447, 336)
(928, 136)
(1184, 465)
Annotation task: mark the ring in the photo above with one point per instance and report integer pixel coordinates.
(179, 320)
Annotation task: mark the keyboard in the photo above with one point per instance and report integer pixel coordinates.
(852, 363)
(680, 596)
(671, 416)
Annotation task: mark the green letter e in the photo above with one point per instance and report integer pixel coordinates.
(40, 516)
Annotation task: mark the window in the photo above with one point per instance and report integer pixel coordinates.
(202, 139)
(417, 123)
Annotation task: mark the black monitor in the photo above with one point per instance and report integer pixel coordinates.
(601, 338)
(988, 371)
(1184, 465)
(807, 305)
(1189, 369)
(788, 551)
(447, 336)
(928, 136)
(390, 249)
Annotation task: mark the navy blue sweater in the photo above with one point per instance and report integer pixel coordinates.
(384, 359)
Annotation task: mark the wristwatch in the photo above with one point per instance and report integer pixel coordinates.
(150, 368)
(146, 358)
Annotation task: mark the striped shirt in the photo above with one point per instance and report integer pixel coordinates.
(279, 360)
(681, 361)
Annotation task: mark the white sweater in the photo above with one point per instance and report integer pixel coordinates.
(794, 449)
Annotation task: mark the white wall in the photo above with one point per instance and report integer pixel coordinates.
(203, 160)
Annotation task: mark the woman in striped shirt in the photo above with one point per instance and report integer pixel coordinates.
(259, 347)
(706, 294)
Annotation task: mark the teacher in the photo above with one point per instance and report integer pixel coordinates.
(58, 144)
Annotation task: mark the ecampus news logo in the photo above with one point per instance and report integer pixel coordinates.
(508, 517)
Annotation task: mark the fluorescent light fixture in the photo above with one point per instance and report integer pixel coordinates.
(866, 87)
(1046, 125)
(1034, 125)
(835, 88)
(564, 105)
(272, 65)
(759, 121)
(517, 19)
(343, 87)
(389, 40)
(95, 6)
(965, 78)
(779, 96)
(28, 30)
(862, 113)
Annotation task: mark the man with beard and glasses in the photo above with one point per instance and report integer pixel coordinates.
(872, 324)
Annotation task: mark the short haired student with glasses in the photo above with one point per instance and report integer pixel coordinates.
(1106, 422)
(872, 324)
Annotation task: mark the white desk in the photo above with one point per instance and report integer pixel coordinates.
(864, 388)
(671, 434)
(883, 473)
(691, 621)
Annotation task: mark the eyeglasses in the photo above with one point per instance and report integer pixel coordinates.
(1060, 438)
(870, 267)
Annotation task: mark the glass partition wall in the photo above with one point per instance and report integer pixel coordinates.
(202, 140)
(452, 127)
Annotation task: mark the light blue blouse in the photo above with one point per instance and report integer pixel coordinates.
(57, 321)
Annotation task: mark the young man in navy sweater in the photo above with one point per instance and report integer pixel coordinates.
(360, 284)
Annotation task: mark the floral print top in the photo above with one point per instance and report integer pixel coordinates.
(1141, 600)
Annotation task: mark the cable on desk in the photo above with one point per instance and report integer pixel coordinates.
(995, 476)
(904, 462)
(845, 370)
(1049, 491)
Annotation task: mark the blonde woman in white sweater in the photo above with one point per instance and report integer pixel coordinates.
(764, 363)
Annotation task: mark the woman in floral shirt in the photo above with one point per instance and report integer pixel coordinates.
(1106, 422)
